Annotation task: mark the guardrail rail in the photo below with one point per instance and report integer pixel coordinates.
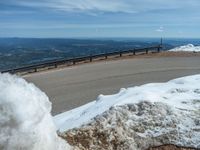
(73, 61)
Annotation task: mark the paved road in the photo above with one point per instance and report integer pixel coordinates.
(74, 86)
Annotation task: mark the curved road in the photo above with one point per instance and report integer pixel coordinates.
(74, 86)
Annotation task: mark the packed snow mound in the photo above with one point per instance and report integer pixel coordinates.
(187, 48)
(135, 126)
(25, 119)
(139, 117)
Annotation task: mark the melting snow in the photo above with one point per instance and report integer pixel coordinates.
(160, 109)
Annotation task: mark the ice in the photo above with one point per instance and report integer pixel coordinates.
(188, 48)
(25, 119)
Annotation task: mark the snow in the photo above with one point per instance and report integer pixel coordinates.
(174, 105)
(178, 93)
(25, 119)
(187, 48)
(138, 117)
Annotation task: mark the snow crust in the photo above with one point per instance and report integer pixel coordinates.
(187, 48)
(25, 119)
(168, 110)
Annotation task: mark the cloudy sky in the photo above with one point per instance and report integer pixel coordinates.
(100, 18)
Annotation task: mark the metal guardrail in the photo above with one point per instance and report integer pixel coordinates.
(56, 63)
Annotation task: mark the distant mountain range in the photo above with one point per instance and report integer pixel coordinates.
(17, 52)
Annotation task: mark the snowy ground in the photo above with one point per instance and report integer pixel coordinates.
(187, 48)
(162, 112)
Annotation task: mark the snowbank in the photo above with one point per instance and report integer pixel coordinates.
(152, 114)
(25, 119)
(187, 48)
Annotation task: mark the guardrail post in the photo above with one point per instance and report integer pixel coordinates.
(106, 57)
(120, 54)
(133, 51)
(158, 49)
(35, 69)
(74, 62)
(146, 50)
(56, 66)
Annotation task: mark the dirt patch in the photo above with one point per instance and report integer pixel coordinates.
(169, 147)
(93, 139)
(83, 142)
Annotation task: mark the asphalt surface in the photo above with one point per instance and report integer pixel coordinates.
(74, 86)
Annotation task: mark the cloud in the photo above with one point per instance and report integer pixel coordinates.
(160, 29)
(41, 25)
(63, 15)
(76, 5)
(113, 6)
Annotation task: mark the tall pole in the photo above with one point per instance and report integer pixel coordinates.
(160, 46)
